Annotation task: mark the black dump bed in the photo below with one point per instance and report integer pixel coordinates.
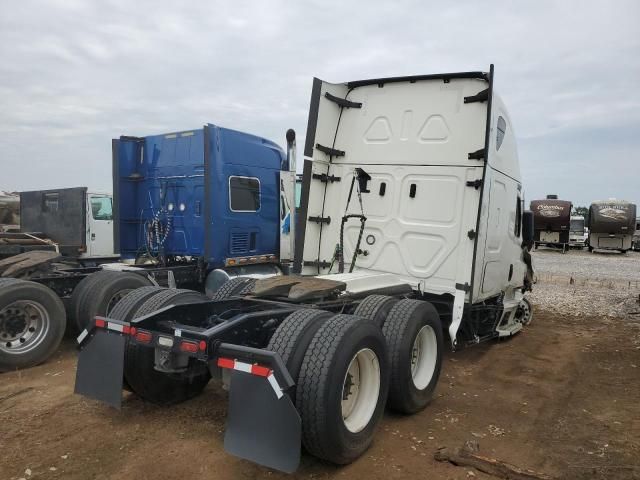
(612, 217)
(59, 215)
(551, 215)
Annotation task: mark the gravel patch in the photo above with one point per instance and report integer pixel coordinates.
(593, 266)
(580, 283)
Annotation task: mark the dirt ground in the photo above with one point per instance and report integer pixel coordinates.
(562, 398)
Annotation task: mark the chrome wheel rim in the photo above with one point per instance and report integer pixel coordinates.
(527, 312)
(24, 325)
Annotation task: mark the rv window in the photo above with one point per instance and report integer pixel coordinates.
(518, 217)
(101, 208)
(50, 201)
(502, 129)
(244, 194)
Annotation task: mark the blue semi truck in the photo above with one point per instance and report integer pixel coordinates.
(192, 209)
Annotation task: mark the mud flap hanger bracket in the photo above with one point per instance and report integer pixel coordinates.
(259, 356)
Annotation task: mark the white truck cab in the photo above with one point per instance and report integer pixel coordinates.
(75, 222)
(417, 179)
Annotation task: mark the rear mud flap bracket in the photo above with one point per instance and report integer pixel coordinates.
(101, 367)
(262, 427)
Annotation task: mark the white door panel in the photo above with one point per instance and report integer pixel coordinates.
(499, 249)
(99, 225)
(423, 238)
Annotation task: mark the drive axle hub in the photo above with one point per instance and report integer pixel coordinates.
(23, 325)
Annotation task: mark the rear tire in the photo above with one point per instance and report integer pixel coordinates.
(347, 356)
(293, 336)
(103, 290)
(76, 296)
(126, 308)
(414, 334)
(376, 308)
(139, 372)
(32, 323)
(234, 287)
(9, 281)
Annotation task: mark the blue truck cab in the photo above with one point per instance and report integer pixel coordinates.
(209, 195)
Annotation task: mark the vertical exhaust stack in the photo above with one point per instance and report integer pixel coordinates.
(288, 203)
(291, 150)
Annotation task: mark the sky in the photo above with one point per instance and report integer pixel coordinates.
(75, 74)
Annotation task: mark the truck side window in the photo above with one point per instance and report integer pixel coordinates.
(101, 208)
(518, 217)
(50, 201)
(244, 194)
(502, 130)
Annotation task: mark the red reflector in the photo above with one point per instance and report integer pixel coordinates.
(133, 331)
(226, 363)
(189, 347)
(100, 323)
(202, 345)
(143, 337)
(126, 329)
(260, 370)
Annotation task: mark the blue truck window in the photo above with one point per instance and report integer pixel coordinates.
(244, 194)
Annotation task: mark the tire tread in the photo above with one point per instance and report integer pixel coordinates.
(234, 287)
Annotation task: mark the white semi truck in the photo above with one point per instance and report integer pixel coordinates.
(410, 232)
(437, 201)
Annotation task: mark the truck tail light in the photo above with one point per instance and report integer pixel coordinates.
(189, 347)
(143, 337)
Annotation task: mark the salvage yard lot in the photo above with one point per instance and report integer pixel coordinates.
(562, 398)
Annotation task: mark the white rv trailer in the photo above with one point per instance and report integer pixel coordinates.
(635, 240)
(416, 180)
(612, 224)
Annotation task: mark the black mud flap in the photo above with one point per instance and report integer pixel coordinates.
(261, 427)
(101, 367)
